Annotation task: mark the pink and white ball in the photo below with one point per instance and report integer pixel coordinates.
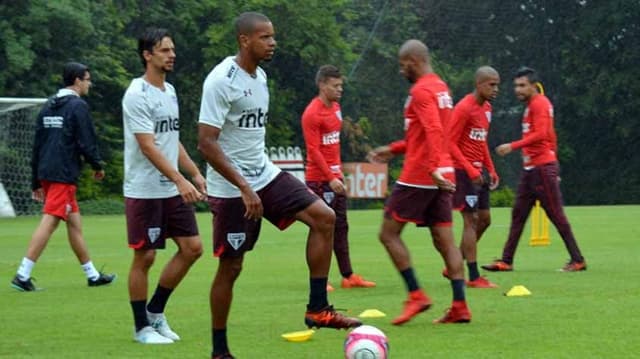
(366, 342)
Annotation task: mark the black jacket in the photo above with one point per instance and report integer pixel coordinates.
(64, 133)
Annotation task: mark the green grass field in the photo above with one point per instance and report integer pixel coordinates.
(592, 314)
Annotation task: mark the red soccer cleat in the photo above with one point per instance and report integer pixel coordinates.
(329, 318)
(457, 313)
(498, 266)
(574, 267)
(356, 281)
(481, 282)
(417, 303)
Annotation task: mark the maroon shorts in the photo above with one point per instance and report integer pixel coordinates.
(469, 197)
(59, 199)
(337, 202)
(423, 206)
(151, 221)
(282, 199)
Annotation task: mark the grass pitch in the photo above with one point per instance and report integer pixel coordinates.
(592, 314)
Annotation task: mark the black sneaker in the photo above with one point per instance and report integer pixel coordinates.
(223, 356)
(103, 279)
(23, 285)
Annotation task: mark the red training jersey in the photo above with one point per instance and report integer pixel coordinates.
(469, 131)
(427, 113)
(321, 127)
(538, 143)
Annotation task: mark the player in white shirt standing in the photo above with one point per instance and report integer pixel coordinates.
(157, 196)
(243, 185)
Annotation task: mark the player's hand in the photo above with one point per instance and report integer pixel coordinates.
(443, 183)
(98, 175)
(38, 195)
(201, 184)
(252, 203)
(337, 186)
(504, 149)
(381, 154)
(495, 181)
(476, 177)
(188, 191)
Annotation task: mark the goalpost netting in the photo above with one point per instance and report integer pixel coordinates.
(17, 126)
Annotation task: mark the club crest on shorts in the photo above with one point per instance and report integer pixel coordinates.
(153, 233)
(471, 200)
(236, 239)
(328, 197)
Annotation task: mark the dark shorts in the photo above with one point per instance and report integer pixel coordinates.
(469, 197)
(423, 206)
(337, 202)
(59, 199)
(151, 221)
(281, 200)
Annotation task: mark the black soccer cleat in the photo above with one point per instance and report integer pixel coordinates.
(103, 279)
(23, 285)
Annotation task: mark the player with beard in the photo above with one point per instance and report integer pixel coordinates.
(244, 185)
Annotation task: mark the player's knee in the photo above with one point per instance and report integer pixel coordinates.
(144, 259)
(192, 250)
(325, 220)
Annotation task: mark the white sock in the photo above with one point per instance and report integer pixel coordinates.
(91, 271)
(26, 266)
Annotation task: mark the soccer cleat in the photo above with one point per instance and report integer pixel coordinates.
(223, 356)
(445, 273)
(498, 266)
(457, 313)
(159, 322)
(103, 279)
(329, 318)
(330, 287)
(23, 285)
(417, 303)
(148, 335)
(481, 282)
(574, 267)
(356, 281)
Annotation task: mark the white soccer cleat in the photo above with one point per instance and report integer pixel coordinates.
(159, 323)
(148, 335)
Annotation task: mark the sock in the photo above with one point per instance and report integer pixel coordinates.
(159, 300)
(410, 279)
(24, 271)
(318, 294)
(91, 271)
(219, 340)
(346, 274)
(473, 270)
(458, 289)
(139, 313)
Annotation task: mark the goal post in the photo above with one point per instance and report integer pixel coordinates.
(17, 128)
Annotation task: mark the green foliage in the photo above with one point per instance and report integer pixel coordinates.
(102, 206)
(503, 197)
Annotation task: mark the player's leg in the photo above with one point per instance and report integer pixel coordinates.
(551, 201)
(481, 221)
(220, 298)
(79, 247)
(468, 243)
(39, 239)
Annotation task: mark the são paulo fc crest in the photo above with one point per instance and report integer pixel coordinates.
(471, 200)
(236, 239)
(328, 197)
(153, 233)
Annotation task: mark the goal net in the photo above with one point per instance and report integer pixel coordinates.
(17, 126)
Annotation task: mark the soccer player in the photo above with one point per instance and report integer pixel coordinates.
(244, 185)
(422, 194)
(321, 124)
(539, 179)
(157, 196)
(470, 152)
(64, 135)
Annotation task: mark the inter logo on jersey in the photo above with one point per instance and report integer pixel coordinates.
(478, 134)
(167, 125)
(253, 118)
(331, 138)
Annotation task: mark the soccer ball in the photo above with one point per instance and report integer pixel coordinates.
(366, 342)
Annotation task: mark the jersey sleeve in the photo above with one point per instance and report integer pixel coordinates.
(540, 113)
(312, 138)
(426, 109)
(459, 119)
(215, 104)
(137, 113)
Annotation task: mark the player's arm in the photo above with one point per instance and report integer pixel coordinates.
(38, 193)
(186, 163)
(459, 121)
(541, 123)
(214, 155)
(384, 154)
(312, 140)
(488, 164)
(87, 140)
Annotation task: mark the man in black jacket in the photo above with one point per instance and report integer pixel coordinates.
(64, 135)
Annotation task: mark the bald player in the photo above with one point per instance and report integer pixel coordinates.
(244, 185)
(470, 152)
(422, 193)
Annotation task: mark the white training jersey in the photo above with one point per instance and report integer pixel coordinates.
(148, 109)
(238, 104)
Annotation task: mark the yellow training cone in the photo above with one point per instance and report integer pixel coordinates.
(372, 313)
(518, 291)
